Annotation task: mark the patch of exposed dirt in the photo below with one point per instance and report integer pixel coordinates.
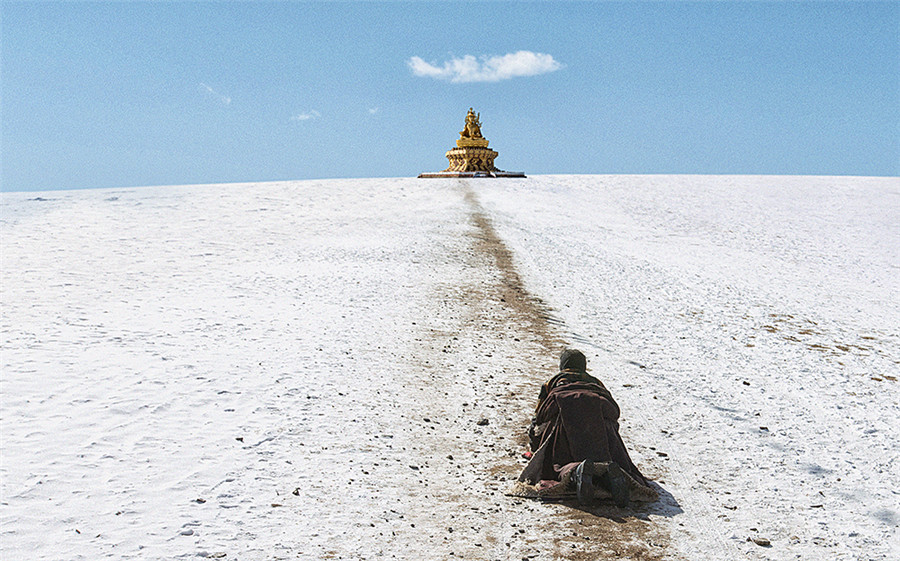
(524, 309)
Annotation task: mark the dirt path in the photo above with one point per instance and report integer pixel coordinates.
(501, 314)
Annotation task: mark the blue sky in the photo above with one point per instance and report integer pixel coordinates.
(128, 94)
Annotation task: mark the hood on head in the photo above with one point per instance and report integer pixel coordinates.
(572, 359)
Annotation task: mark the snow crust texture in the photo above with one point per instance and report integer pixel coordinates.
(344, 369)
(749, 327)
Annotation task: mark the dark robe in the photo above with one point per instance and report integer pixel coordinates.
(576, 420)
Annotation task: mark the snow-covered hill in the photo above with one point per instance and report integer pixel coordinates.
(305, 369)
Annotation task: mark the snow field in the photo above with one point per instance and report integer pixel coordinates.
(297, 370)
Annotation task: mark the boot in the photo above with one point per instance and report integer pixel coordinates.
(615, 482)
(584, 482)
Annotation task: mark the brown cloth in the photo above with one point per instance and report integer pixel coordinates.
(577, 419)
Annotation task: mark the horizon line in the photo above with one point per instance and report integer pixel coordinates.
(530, 175)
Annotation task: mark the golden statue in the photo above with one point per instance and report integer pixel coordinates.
(472, 157)
(473, 125)
(471, 134)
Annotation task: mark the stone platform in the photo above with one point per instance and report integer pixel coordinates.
(496, 173)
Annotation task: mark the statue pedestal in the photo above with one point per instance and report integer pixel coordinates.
(471, 159)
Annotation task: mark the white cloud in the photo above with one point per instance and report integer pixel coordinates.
(373, 110)
(223, 99)
(306, 116)
(486, 68)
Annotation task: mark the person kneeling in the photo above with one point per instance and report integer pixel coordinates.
(575, 443)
